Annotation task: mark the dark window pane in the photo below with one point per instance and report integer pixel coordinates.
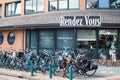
(62, 4)
(73, 4)
(53, 5)
(92, 4)
(11, 38)
(65, 38)
(115, 4)
(34, 39)
(103, 3)
(46, 39)
(1, 38)
(40, 5)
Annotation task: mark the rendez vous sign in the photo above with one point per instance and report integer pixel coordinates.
(80, 21)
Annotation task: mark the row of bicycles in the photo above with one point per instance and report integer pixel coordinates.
(60, 60)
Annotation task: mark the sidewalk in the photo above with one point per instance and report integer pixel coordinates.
(41, 76)
(27, 75)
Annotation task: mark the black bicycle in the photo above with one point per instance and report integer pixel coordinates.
(81, 65)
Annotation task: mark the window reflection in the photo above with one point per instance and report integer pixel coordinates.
(73, 4)
(8, 9)
(106, 37)
(18, 8)
(33, 6)
(40, 5)
(103, 3)
(62, 4)
(86, 39)
(53, 5)
(13, 9)
(92, 4)
(29, 6)
(11, 38)
(115, 4)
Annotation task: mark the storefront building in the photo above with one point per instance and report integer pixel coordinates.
(48, 24)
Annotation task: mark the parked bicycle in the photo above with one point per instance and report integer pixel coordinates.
(81, 65)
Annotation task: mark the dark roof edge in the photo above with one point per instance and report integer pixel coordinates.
(56, 25)
(111, 24)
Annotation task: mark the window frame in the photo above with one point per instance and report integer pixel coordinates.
(6, 7)
(36, 11)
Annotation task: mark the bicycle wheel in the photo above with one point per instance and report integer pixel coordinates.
(90, 72)
(67, 71)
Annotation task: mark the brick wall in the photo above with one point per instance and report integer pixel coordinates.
(82, 4)
(19, 40)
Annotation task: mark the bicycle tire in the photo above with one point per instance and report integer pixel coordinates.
(67, 71)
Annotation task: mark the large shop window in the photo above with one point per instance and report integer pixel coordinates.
(34, 39)
(106, 37)
(0, 11)
(86, 39)
(1, 38)
(46, 39)
(63, 4)
(103, 4)
(65, 38)
(34, 6)
(13, 9)
(11, 38)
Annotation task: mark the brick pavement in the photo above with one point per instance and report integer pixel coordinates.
(41, 76)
